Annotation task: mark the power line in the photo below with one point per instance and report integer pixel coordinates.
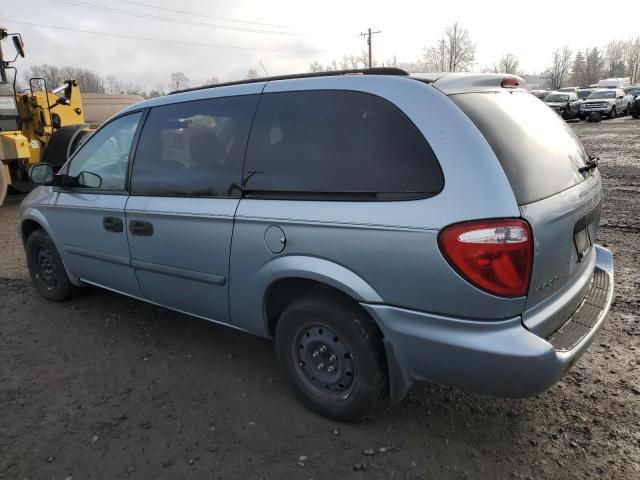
(172, 20)
(368, 34)
(226, 19)
(179, 42)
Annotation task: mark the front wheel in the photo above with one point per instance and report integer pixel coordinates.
(333, 357)
(612, 113)
(46, 268)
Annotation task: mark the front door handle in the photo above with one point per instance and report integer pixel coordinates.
(112, 224)
(140, 228)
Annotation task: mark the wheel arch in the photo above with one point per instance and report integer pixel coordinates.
(289, 277)
(33, 220)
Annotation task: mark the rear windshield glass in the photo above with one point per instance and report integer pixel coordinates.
(538, 151)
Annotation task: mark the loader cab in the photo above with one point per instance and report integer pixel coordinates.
(8, 109)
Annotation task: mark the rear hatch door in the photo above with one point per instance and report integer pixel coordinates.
(544, 162)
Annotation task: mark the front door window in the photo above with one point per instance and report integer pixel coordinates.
(102, 161)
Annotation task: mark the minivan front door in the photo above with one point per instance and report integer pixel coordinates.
(89, 220)
(185, 189)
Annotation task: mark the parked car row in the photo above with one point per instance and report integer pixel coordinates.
(574, 102)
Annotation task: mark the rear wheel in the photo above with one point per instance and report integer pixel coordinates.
(46, 268)
(333, 357)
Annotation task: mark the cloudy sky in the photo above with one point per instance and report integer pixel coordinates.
(215, 38)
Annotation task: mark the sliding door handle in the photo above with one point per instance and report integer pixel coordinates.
(140, 228)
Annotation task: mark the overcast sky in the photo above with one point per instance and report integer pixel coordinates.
(287, 35)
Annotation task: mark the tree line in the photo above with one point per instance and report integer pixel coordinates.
(51, 76)
(619, 58)
(453, 51)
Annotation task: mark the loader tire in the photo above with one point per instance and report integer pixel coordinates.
(3, 185)
(63, 143)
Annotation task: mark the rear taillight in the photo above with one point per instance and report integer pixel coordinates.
(494, 255)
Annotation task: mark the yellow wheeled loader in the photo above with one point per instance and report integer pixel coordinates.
(42, 125)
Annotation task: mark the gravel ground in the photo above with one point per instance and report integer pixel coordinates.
(108, 387)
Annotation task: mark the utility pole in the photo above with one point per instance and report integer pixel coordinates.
(368, 34)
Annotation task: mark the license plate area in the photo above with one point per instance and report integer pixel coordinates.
(581, 238)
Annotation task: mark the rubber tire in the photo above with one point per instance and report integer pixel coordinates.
(3, 185)
(613, 114)
(64, 289)
(362, 336)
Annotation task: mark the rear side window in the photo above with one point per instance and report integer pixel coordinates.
(538, 151)
(193, 148)
(338, 142)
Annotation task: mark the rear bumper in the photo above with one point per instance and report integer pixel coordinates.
(500, 358)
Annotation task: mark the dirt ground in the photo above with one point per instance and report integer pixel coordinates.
(108, 387)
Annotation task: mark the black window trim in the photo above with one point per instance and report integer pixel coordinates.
(134, 141)
(337, 196)
(239, 191)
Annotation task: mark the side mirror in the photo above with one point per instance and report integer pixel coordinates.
(19, 46)
(620, 97)
(89, 180)
(41, 174)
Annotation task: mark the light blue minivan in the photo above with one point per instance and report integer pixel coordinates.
(382, 227)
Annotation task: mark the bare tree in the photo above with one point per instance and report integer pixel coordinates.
(560, 67)
(113, 85)
(435, 57)
(252, 73)
(454, 52)
(509, 63)
(54, 76)
(316, 67)
(211, 81)
(178, 81)
(614, 54)
(632, 59)
(155, 92)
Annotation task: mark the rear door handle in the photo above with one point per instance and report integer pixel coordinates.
(140, 228)
(112, 224)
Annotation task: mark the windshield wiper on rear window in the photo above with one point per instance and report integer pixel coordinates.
(590, 165)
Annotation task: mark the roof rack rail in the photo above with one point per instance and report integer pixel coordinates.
(330, 73)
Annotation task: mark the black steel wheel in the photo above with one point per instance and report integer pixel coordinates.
(325, 362)
(46, 268)
(332, 355)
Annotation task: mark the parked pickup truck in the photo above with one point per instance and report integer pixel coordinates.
(609, 102)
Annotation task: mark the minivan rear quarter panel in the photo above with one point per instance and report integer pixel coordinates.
(402, 262)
